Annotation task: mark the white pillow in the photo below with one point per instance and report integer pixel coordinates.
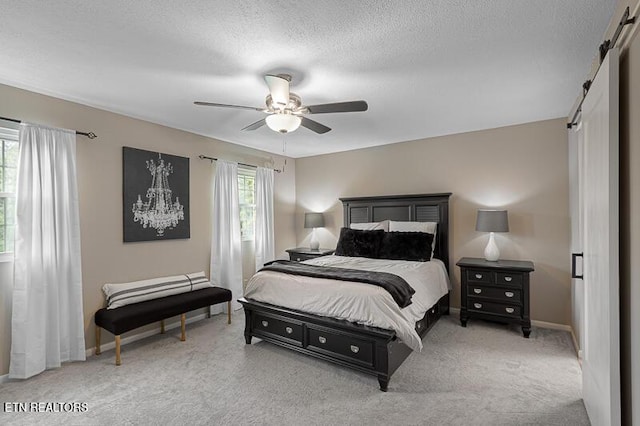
(139, 291)
(371, 226)
(428, 227)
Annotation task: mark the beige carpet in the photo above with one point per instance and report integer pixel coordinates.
(485, 374)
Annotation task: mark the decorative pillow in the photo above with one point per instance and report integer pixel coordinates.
(359, 243)
(410, 245)
(371, 226)
(138, 291)
(428, 227)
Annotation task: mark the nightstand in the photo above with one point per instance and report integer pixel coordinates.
(495, 291)
(304, 253)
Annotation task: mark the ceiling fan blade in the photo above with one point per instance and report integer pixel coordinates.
(227, 106)
(353, 106)
(314, 126)
(256, 125)
(279, 89)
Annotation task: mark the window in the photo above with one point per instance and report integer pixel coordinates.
(8, 174)
(246, 197)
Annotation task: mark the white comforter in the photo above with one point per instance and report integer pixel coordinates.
(357, 302)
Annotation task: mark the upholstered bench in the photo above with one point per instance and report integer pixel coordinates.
(125, 318)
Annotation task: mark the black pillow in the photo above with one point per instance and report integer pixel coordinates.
(359, 243)
(414, 246)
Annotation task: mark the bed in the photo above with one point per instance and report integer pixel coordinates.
(361, 346)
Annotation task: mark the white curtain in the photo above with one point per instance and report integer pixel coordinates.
(47, 325)
(264, 238)
(226, 250)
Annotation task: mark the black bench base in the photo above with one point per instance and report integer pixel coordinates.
(129, 317)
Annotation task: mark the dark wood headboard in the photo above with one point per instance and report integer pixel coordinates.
(413, 208)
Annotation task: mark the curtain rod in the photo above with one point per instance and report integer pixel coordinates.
(204, 157)
(602, 50)
(90, 135)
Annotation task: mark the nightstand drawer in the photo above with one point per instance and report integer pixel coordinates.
(480, 305)
(343, 345)
(300, 254)
(299, 257)
(511, 279)
(480, 276)
(501, 294)
(277, 328)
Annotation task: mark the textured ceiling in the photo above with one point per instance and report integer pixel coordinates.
(426, 68)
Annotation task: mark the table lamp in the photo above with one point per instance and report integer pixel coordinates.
(314, 220)
(492, 221)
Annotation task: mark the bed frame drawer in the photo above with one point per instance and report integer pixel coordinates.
(344, 346)
(279, 328)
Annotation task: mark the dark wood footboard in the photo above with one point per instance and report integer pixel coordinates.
(370, 350)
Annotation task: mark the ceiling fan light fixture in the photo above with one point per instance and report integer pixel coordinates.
(283, 123)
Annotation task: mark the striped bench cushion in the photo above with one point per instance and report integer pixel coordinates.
(123, 294)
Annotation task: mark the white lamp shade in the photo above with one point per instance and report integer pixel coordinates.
(283, 123)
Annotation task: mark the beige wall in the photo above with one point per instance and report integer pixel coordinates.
(521, 168)
(105, 258)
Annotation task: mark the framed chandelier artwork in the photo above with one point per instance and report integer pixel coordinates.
(155, 196)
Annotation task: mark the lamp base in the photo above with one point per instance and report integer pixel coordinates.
(314, 244)
(491, 252)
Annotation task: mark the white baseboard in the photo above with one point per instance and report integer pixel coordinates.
(133, 338)
(552, 325)
(4, 378)
(576, 346)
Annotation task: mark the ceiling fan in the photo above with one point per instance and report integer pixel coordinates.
(285, 109)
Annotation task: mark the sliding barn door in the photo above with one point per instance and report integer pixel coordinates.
(576, 183)
(601, 362)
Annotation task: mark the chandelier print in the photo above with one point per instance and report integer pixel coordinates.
(158, 211)
(155, 196)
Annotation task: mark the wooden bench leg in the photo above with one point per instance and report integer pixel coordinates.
(161, 326)
(98, 340)
(183, 319)
(209, 312)
(118, 362)
(229, 312)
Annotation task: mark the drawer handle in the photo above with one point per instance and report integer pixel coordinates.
(433, 311)
(508, 279)
(355, 349)
(265, 323)
(322, 339)
(477, 290)
(477, 305)
(478, 276)
(289, 330)
(508, 293)
(509, 310)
